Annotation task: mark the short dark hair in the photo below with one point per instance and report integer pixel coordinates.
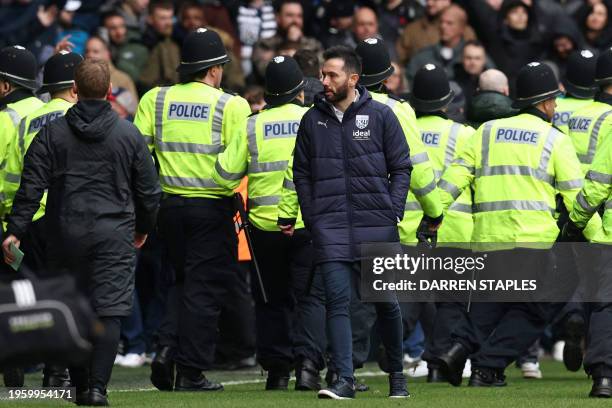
(99, 38)
(92, 79)
(111, 14)
(308, 62)
(278, 4)
(160, 4)
(474, 43)
(352, 62)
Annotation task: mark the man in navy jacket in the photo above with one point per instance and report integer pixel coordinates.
(351, 171)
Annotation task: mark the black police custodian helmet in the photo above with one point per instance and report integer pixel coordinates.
(201, 49)
(430, 90)
(603, 71)
(375, 62)
(18, 65)
(536, 82)
(58, 72)
(579, 78)
(284, 80)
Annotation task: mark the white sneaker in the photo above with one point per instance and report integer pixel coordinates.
(531, 370)
(420, 370)
(132, 360)
(118, 359)
(467, 369)
(557, 351)
(411, 362)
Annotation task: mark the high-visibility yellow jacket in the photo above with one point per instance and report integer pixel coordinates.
(586, 126)
(188, 125)
(566, 106)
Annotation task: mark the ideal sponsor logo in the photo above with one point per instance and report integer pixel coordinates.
(510, 135)
(287, 128)
(189, 111)
(37, 123)
(361, 134)
(561, 118)
(579, 124)
(430, 138)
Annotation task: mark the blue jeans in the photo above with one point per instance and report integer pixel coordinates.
(341, 281)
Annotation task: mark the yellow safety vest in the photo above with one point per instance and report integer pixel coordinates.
(586, 128)
(566, 106)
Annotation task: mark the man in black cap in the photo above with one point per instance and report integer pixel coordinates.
(579, 84)
(18, 70)
(58, 80)
(286, 333)
(509, 164)
(188, 125)
(340, 15)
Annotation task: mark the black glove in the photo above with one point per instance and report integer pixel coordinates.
(427, 231)
(571, 233)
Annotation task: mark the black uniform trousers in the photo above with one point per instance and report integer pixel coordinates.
(291, 325)
(202, 247)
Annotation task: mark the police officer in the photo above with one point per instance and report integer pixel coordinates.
(515, 167)
(443, 139)
(58, 80)
(579, 84)
(284, 256)
(187, 125)
(423, 209)
(17, 82)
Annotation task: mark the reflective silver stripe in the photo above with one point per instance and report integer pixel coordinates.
(465, 164)
(419, 158)
(15, 118)
(217, 121)
(226, 174)
(13, 178)
(569, 184)
(288, 184)
(547, 149)
(486, 139)
(412, 206)
(265, 200)
(608, 204)
(465, 208)
(450, 188)
(184, 147)
(438, 173)
(583, 203)
(599, 177)
(510, 170)
(148, 139)
(269, 166)
(22, 131)
(451, 144)
(159, 112)
(390, 102)
(193, 182)
(252, 138)
(425, 190)
(588, 157)
(523, 205)
(24, 293)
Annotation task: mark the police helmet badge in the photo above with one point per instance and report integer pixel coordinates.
(361, 121)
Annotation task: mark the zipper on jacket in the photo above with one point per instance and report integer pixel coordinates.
(349, 213)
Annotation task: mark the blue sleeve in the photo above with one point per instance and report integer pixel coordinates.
(397, 156)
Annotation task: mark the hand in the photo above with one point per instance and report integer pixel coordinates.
(64, 45)
(287, 230)
(572, 233)
(294, 33)
(427, 231)
(139, 240)
(46, 16)
(6, 248)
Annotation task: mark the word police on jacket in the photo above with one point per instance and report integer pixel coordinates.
(189, 111)
(510, 135)
(287, 128)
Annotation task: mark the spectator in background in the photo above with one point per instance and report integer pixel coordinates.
(67, 29)
(263, 52)
(491, 101)
(340, 21)
(425, 31)
(288, 48)
(473, 63)
(393, 15)
(448, 52)
(123, 98)
(254, 94)
(191, 17)
(595, 23)
(565, 39)
(365, 24)
(396, 83)
(135, 14)
(255, 21)
(128, 54)
(22, 22)
(311, 68)
(164, 56)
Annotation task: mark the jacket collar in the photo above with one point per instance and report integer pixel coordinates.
(604, 98)
(536, 112)
(15, 96)
(439, 113)
(324, 106)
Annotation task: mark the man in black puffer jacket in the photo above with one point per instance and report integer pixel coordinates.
(351, 173)
(103, 196)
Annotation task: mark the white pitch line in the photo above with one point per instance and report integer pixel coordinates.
(244, 382)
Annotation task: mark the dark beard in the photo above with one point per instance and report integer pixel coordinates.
(340, 95)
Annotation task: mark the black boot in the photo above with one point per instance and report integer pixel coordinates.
(397, 386)
(435, 375)
(199, 383)
(277, 380)
(602, 388)
(162, 369)
(452, 362)
(574, 335)
(307, 376)
(97, 398)
(13, 377)
(487, 377)
(54, 376)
